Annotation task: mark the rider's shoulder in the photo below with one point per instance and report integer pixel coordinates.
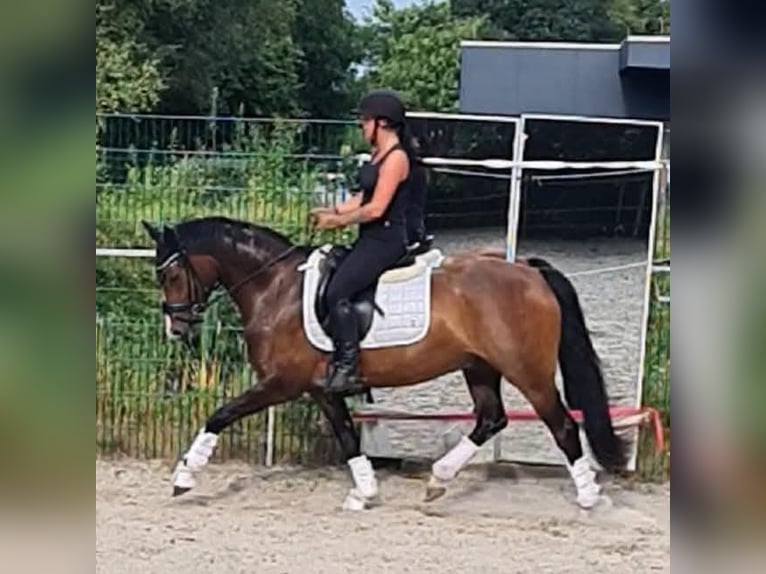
(397, 159)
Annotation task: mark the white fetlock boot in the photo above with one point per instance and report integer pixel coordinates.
(448, 467)
(196, 457)
(366, 485)
(588, 491)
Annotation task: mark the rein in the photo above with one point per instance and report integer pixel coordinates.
(251, 276)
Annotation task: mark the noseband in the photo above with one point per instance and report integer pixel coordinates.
(197, 306)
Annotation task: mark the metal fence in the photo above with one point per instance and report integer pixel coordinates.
(152, 396)
(217, 157)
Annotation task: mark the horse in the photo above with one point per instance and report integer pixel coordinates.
(491, 319)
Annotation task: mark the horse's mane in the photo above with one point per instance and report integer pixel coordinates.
(207, 233)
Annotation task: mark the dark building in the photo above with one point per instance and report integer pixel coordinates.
(627, 80)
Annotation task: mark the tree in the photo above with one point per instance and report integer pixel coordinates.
(416, 51)
(327, 42)
(127, 74)
(641, 16)
(543, 20)
(568, 20)
(255, 56)
(242, 48)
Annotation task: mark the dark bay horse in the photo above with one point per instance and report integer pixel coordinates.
(489, 318)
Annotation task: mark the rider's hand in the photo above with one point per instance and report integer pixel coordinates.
(326, 220)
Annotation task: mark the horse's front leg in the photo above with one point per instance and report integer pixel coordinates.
(268, 392)
(365, 491)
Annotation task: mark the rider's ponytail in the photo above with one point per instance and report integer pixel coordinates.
(408, 143)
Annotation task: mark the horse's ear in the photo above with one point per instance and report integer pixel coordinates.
(170, 238)
(153, 231)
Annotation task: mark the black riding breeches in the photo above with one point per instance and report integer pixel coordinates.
(361, 268)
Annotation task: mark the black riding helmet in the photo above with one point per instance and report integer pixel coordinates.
(382, 104)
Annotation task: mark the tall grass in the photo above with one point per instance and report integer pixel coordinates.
(653, 465)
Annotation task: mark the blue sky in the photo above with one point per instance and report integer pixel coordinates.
(361, 8)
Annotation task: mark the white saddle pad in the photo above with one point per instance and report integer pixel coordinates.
(404, 296)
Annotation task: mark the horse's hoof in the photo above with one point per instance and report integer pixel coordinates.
(589, 496)
(588, 501)
(435, 492)
(435, 488)
(353, 505)
(355, 502)
(179, 490)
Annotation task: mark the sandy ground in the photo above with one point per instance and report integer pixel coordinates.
(242, 519)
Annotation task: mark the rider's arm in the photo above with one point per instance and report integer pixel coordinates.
(391, 174)
(352, 203)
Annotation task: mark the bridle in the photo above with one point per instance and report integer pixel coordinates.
(200, 296)
(195, 308)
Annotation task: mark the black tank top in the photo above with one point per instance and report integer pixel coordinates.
(395, 215)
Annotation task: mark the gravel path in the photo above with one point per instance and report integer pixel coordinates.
(283, 522)
(613, 306)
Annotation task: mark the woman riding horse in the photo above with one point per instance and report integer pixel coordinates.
(381, 212)
(491, 319)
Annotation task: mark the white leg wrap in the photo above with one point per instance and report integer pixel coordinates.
(168, 332)
(588, 490)
(201, 450)
(447, 467)
(195, 458)
(183, 477)
(364, 477)
(354, 502)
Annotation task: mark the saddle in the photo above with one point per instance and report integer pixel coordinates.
(363, 303)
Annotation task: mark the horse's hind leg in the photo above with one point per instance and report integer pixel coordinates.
(336, 411)
(546, 400)
(484, 385)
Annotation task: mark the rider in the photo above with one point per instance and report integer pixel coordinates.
(380, 211)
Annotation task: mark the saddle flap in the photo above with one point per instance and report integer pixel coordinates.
(327, 261)
(402, 296)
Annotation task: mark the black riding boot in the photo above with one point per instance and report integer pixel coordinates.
(341, 374)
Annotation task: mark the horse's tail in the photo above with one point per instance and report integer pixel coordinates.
(580, 366)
